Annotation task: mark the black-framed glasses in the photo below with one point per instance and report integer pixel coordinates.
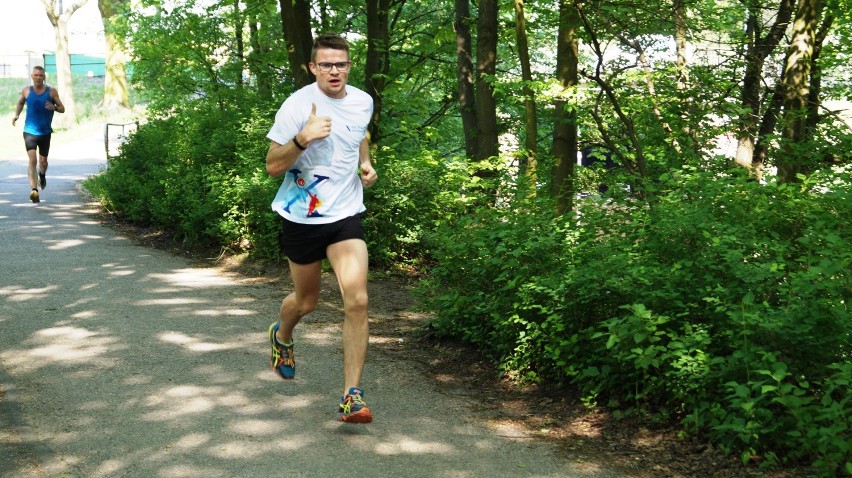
(342, 66)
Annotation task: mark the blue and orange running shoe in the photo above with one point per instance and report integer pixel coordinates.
(282, 360)
(353, 409)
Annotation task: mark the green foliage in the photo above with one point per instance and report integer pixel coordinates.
(413, 195)
(725, 302)
(192, 175)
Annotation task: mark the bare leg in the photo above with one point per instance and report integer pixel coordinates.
(349, 260)
(31, 172)
(42, 162)
(303, 299)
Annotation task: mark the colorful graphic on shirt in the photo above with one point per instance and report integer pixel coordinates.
(303, 193)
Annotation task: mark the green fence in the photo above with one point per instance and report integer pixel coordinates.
(83, 65)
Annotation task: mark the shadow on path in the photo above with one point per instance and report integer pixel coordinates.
(118, 360)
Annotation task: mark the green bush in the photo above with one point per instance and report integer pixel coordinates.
(192, 175)
(724, 303)
(415, 193)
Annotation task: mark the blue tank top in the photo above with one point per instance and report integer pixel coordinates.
(39, 118)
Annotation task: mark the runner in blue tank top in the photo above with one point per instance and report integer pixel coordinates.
(41, 101)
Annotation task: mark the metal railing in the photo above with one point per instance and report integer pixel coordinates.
(115, 134)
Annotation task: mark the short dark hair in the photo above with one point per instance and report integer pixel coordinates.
(38, 67)
(330, 41)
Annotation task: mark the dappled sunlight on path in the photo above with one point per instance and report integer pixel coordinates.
(118, 360)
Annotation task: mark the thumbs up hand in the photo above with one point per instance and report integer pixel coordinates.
(317, 127)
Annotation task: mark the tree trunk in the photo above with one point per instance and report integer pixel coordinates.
(528, 161)
(486, 68)
(767, 126)
(116, 92)
(59, 20)
(464, 73)
(679, 11)
(378, 59)
(797, 76)
(758, 49)
(689, 128)
(770, 117)
(814, 95)
(256, 66)
(240, 54)
(565, 129)
(296, 24)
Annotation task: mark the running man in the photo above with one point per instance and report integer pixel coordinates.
(41, 101)
(319, 143)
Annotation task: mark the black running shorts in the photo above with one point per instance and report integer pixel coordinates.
(307, 243)
(41, 142)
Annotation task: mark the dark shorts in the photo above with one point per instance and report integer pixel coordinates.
(41, 142)
(307, 243)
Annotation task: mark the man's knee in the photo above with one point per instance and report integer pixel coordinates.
(301, 305)
(356, 303)
(306, 307)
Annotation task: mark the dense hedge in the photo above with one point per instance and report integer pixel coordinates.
(199, 176)
(723, 303)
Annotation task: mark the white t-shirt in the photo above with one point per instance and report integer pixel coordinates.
(323, 185)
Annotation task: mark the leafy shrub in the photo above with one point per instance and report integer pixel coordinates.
(724, 302)
(410, 199)
(190, 174)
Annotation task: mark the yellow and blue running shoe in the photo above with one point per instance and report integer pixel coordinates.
(282, 360)
(353, 409)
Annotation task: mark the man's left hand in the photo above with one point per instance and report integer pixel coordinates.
(368, 175)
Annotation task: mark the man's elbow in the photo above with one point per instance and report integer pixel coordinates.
(273, 167)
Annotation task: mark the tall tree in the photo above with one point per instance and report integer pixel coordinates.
(116, 96)
(59, 19)
(464, 75)
(239, 55)
(758, 48)
(629, 132)
(680, 36)
(681, 40)
(565, 129)
(296, 23)
(529, 160)
(259, 49)
(797, 79)
(486, 69)
(378, 59)
(814, 95)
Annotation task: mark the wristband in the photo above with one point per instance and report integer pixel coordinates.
(297, 144)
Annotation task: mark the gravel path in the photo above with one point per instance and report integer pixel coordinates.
(118, 360)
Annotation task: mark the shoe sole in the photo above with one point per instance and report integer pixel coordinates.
(272, 357)
(34, 197)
